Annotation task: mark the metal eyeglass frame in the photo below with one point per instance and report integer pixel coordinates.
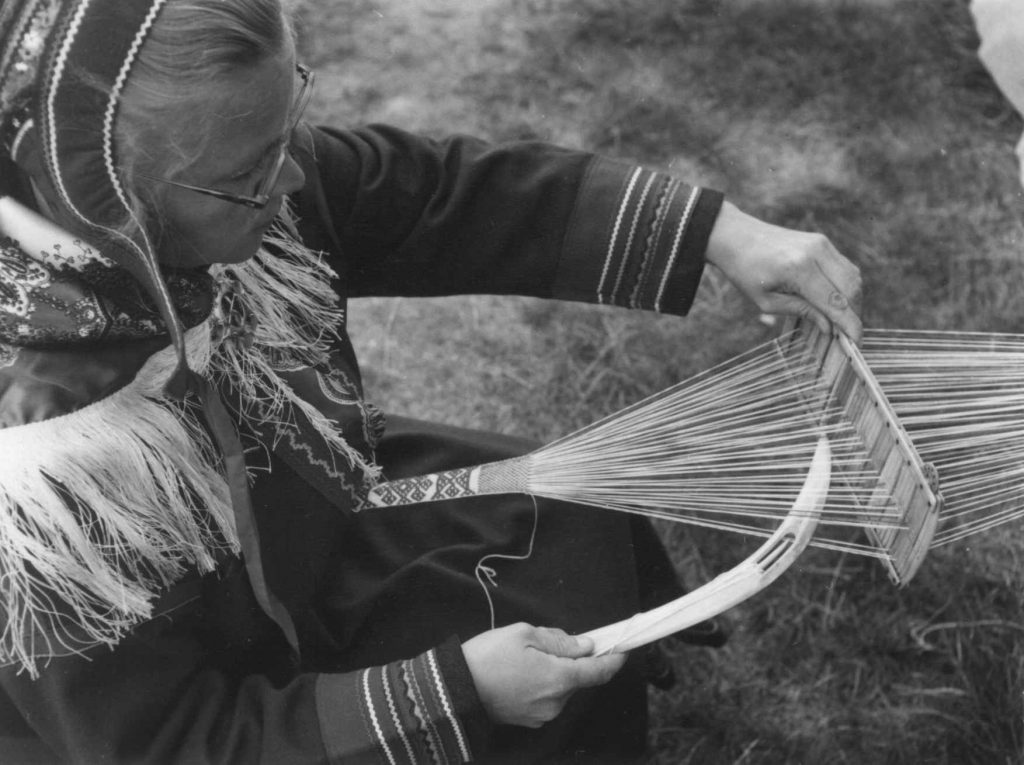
(260, 199)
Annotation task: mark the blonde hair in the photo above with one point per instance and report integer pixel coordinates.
(193, 42)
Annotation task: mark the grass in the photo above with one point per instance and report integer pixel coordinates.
(871, 121)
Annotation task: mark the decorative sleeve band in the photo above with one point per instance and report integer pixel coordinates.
(636, 240)
(421, 710)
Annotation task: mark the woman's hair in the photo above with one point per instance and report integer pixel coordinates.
(192, 43)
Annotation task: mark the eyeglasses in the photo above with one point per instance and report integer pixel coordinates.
(268, 182)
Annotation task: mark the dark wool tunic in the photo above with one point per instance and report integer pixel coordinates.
(382, 600)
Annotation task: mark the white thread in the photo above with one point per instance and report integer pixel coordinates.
(482, 571)
(615, 233)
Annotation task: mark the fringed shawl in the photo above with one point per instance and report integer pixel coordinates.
(103, 507)
(124, 469)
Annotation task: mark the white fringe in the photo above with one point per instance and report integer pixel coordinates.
(299, 316)
(99, 510)
(103, 508)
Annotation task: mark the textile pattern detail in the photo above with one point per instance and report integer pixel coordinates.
(25, 26)
(340, 389)
(104, 503)
(56, 290)
(136, 459)
(407, 712)
(450, 484)
(76, 272)
(641, 247)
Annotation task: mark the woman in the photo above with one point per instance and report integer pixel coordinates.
(185, 438)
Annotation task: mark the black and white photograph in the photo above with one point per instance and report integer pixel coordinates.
(611, 382)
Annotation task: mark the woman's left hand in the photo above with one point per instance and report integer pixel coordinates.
(786, 271)
(524, 675)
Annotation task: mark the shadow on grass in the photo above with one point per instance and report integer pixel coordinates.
(834, 665)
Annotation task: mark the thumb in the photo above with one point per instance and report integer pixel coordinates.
(559, 643)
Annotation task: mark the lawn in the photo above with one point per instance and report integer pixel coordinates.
(869, 120)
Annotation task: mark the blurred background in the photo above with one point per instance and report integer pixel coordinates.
(872, 121)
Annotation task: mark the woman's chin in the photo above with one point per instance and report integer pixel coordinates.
(239, 250)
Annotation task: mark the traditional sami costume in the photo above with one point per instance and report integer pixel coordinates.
(182, 571)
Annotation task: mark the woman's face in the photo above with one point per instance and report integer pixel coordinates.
(243, 118)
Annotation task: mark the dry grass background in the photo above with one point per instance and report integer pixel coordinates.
(870, 120)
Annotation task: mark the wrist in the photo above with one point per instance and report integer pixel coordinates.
(731, 234)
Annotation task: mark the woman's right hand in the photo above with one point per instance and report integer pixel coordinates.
(524, 675)
(785, 271)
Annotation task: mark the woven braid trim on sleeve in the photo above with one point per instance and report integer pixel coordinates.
(637, 239)
(401, 713)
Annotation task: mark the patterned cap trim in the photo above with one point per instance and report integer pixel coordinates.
(25, 29)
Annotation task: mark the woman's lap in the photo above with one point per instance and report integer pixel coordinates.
(404, 579)
(418, 565)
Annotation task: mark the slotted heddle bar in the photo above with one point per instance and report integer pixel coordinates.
(894, 479)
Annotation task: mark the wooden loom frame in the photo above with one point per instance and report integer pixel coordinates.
(843, 387)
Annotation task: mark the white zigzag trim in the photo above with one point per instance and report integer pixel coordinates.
(416, 697)
(60, 63)
(59, 67)
(394, 714)
(443, 693)
(373, 718)
(680, 230)
(650, 251)
(108, 149)
(637, 217)
(115, 98)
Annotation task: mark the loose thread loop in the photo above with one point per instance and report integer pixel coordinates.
(483, 571)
